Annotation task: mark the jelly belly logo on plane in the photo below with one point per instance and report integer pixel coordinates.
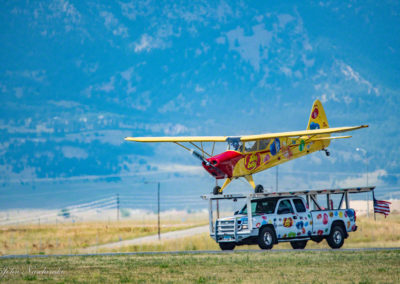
(252, 161)
(315, 113)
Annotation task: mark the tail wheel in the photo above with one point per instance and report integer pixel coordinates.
(259, 189)
(216, 190)
(298, 244)
(227, 246)
(336, 237)
(266, 238)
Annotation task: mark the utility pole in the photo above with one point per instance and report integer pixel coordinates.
(158, 201)
(158, 206)
(366, 166)
(117, 207)
(276, 179)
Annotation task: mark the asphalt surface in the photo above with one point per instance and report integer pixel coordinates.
(148, 239)
(191, 252)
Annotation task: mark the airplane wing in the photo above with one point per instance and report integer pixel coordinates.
(245, 137)
(301, 133)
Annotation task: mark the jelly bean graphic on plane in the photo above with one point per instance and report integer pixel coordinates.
(250, 154)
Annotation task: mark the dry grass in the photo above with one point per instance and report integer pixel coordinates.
(69, 238)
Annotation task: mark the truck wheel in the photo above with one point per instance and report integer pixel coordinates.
(266, 238)
(298, 244)
(227, 246)
(259, 189)
(216, 190)
(336, 237)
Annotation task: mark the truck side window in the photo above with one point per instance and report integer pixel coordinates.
(298, 203)
(285, 207)
(265, 206)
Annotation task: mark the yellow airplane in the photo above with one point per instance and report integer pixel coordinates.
(250, 154)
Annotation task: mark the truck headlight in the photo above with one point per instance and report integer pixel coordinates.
(244, 227)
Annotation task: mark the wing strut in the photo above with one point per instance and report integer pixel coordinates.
(201, 149)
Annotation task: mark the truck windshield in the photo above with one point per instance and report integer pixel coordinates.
(260, 206)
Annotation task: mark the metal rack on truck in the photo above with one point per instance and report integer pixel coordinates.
(285, 217)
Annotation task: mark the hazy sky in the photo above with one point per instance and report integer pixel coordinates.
(76, 77)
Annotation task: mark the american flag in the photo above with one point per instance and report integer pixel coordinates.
(381, 206)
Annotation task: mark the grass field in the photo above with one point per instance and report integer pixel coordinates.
(240, 267)
(75, 237)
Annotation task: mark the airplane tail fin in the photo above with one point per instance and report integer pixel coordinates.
(318, 118)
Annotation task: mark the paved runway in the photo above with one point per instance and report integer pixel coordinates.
(148, 239)
(194, 252)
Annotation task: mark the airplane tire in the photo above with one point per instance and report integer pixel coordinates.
(266, 238)
(227, 246)
(336, 237)
(216, 190)
(259, 189)
(298, 244)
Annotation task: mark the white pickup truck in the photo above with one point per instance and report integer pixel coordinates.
(285, 217)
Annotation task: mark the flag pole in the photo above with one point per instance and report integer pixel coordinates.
(373, 200)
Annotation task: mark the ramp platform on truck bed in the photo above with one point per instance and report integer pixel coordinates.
(290, 193)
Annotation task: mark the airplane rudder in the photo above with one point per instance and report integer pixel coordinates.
(318, 117)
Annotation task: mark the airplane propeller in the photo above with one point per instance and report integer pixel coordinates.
(207, 163)
(200, 157)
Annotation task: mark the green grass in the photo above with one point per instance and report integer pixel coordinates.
(240, 267)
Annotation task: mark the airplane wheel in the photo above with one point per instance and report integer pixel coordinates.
(259, 189)
(216, 190)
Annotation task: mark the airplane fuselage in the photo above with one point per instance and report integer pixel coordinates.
(232, 164)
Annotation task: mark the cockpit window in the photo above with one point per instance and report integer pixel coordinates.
(263, 144)
(251, 146)
(235, 145)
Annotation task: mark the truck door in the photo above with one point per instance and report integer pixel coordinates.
(303, 222)
(286, 227)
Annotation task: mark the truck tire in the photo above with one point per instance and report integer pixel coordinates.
(336, 237)
(227, 246)
(298, 244)
(266, 238)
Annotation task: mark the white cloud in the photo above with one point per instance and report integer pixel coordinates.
(179, 168)
(142, 101)
(19, 92)
(199, 89)
(374, 178)
(341, 83)
(350, 74)
(35, 75)
(251, 47)
(178, 104)
(175, 129)
(112, 24)
(108, 86)
(74, 152)
(284, 19)
(147, 43)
